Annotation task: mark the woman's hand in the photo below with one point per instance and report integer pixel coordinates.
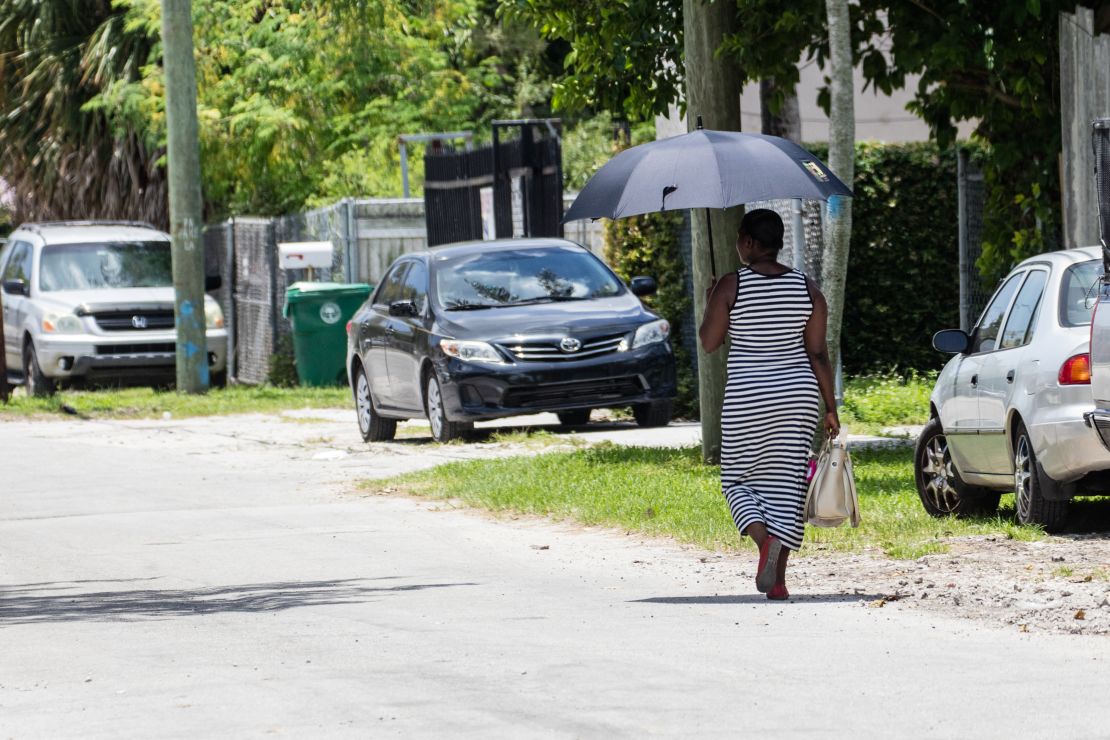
(712, 285)
(832, 423)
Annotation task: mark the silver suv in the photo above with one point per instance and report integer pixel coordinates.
(95, 300)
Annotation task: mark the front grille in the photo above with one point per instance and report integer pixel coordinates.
(134, 320)
(549, 351)
(149, 348)
(586, 391)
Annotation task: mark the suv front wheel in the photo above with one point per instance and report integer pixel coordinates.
(37, 384)
(939, 484)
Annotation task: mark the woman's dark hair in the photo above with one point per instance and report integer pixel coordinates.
(765, 226)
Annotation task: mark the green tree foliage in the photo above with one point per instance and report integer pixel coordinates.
(625, 56)
(299, 101)
(61, 156)
(302, 99)
(991, 62)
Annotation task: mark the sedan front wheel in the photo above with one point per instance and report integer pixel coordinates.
(443, 430)
(939, 485)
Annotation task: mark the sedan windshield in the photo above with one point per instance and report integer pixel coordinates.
(106, 265)
(520, 276)
(1078, 293)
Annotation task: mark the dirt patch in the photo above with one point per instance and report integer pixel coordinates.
(1061, 584)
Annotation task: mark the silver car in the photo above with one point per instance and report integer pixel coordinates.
(1006, 414)
(94, 300)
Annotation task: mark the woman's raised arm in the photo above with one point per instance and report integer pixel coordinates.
(718, 302)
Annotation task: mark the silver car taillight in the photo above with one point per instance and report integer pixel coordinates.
(1076, 370)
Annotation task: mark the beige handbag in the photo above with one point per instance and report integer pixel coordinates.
(831, 499)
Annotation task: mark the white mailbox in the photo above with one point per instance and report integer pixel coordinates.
(303, 255)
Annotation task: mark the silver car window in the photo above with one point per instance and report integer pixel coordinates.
(19, 263)
(1078, 292)
(986, 332)
(1019, 326)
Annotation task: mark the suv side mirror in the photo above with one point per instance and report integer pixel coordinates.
(212, 282)
(403, 308)
(643, 285)
(17, 287)
(952, 340)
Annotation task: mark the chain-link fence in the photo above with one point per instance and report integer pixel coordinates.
(974, 292)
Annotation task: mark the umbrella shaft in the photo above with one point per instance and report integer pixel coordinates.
(709, 231)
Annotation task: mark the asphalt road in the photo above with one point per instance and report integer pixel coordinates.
(221, 578)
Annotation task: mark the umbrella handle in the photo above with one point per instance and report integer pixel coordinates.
(709, 230)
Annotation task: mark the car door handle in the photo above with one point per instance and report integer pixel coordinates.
(1010, 377)
(974, 380)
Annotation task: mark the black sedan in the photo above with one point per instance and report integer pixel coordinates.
(483, 330)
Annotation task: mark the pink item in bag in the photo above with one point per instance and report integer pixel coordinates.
(811, 469)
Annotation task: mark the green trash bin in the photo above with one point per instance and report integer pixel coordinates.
(319, 313)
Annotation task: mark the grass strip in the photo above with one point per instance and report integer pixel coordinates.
(146, 403)
(670, 493)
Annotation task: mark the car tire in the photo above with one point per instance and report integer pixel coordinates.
(37, 384)
(574, 417)
(373, 427)
(939, 485)
(443, 430)
(653, 414)
(218, 380)
(1029, 488)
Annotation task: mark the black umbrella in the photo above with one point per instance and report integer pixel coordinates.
(704, 169)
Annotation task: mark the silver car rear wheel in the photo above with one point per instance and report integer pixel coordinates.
(1030, 486)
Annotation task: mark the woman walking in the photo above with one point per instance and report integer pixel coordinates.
(778, 363)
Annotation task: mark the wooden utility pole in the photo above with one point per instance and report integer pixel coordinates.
(183, 156)
(712, 92)
(842, 161)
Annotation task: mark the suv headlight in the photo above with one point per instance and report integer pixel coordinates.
(650, 333)
(62, 323)
(213, 315)
(471, 351)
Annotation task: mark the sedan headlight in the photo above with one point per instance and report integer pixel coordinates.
(656, 331)
(471, 351)
(62, 323)
(213, 315)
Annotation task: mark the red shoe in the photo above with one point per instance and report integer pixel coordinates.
(768, 564)
(778, 592)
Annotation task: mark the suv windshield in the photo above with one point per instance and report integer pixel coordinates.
(526, 275)
(106, 265)
(1078, 293)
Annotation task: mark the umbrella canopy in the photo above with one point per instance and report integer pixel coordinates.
(704, 169)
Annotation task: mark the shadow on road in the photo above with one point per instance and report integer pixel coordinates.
(758, 599)
(31, 604)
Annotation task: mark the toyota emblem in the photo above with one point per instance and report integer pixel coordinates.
(570, 344)
(139, 322)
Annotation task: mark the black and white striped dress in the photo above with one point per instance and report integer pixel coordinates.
(771, 404)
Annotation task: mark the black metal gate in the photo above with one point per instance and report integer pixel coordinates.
(519, 180)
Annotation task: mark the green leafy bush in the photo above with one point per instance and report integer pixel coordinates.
(652, 245)
(903, 280)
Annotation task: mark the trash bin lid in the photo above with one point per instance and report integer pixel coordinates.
(304, 291)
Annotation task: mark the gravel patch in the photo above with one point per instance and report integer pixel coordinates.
(1061, 584)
